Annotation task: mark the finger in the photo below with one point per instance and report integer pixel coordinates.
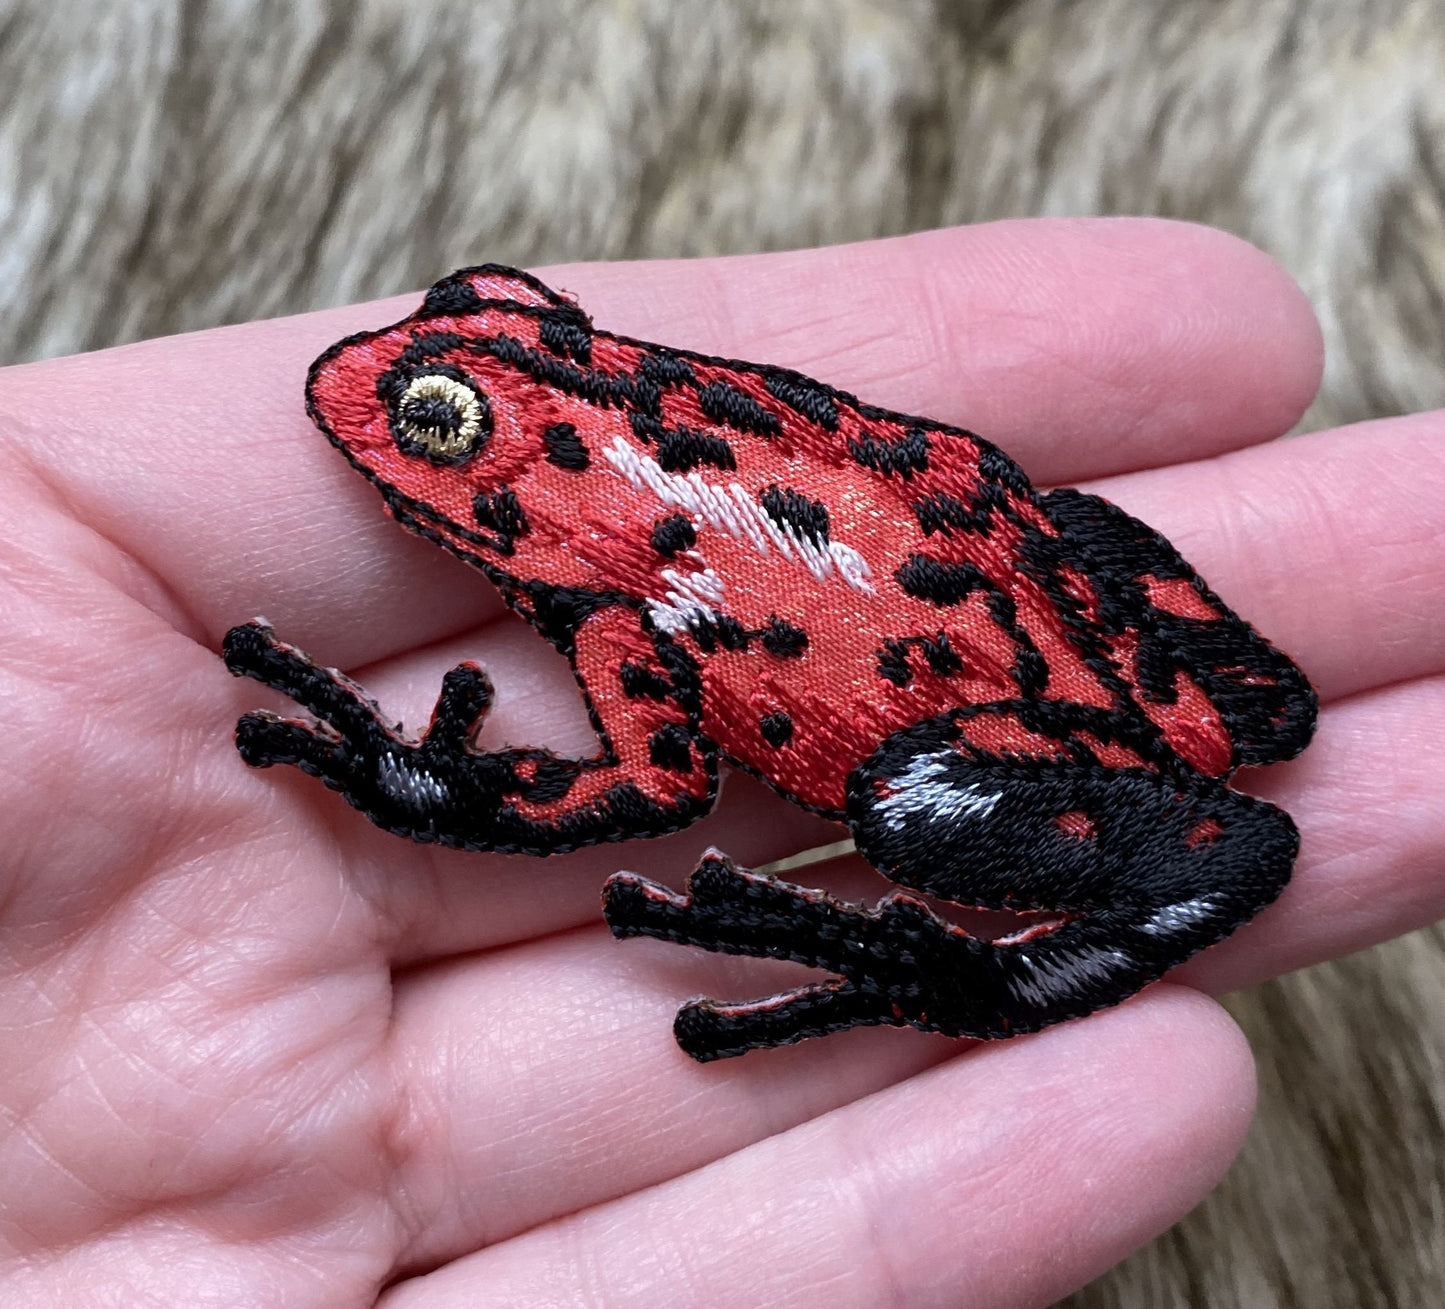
(1366, 798)
(1332, 544)
(1006, 1177)
(1081, 346)
(105, 763)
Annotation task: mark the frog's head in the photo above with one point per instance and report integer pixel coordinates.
(429, 409)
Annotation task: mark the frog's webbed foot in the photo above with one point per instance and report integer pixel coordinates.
(348, 721)
(405, 786)
(892, 961)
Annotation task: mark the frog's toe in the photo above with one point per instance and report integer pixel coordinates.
(264, 739)
(253, 650)
(465, 697)
(714, 1029)
(733, 910)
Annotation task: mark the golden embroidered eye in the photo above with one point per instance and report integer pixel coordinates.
(441, 417)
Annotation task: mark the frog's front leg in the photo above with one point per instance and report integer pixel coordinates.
(654, 773)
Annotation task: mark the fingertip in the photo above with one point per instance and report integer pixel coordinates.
(1133, 1116)
(1126, 343)
(1193, 1064)
(1161, 1087)
(1268, 344)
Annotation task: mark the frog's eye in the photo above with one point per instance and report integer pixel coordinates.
(441, 417)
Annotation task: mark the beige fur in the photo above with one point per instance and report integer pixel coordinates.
(166, 166)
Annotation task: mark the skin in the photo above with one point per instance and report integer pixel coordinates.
(259, 1053)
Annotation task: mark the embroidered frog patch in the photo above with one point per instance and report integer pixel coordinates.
(1012, 699)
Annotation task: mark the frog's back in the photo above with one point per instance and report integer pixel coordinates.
(825, 562)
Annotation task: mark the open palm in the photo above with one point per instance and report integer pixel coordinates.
(258, 1053)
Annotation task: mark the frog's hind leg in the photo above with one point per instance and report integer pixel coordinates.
(1144, 870)
(1147, 867)
(1143, 585)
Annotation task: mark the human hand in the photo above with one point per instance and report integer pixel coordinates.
(259, 1053)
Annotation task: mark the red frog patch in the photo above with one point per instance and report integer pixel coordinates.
(1012, 699)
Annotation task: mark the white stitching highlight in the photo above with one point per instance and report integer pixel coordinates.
(916, 791)
(737, 512)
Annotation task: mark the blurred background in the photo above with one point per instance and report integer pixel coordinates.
(175, 164)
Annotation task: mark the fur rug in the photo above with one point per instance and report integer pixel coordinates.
(173, 164)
